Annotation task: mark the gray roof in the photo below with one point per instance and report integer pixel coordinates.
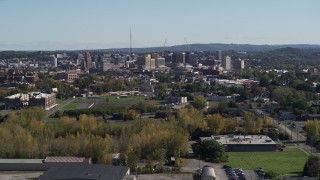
(83, 171)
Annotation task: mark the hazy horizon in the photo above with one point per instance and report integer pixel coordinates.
(99, 24)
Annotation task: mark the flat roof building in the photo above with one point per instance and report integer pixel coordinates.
(244, 143)
(20, 100)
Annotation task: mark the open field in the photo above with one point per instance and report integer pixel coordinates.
(130, 100)
(288, 162)
(108, 101)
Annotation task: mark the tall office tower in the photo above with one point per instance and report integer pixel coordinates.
(105, 63)
(191, 58)
(88, 60)
(95, 62)
(155, 55)
(179, 57)
(160, 62)
(184, 58)
(144, 62)
(242, 66)
(54, 61)
(219, 55)
(152, 64)
(226, 63)
(239, 64)
(80, 59)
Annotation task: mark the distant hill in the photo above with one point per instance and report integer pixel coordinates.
(218, 46)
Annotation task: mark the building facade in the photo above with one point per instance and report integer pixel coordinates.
(88, 60)
(20, 100)
(226, 63)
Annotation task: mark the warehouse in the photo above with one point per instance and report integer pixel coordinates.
(244, 143)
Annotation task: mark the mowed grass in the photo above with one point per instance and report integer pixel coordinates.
(130, 100)
(82, 103)
(288, 162)
(71, 105)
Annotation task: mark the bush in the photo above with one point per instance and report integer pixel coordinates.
(284, 136)
(212, 151)
(271, 174)
(311, 168)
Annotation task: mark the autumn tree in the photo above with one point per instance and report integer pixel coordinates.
(215, 123)
(252, 124)
(199, 102)
(312, 130)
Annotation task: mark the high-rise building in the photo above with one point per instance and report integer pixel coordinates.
(146, 62)
(105, 62)
(155, 55)
(160, 62)
(219, 55)
(54, 61)
(178, 58)
(239, 64)
(226, 63)
(191, 58)
(88, 60)
(80, 59)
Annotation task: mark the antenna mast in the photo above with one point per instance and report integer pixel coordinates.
(130, 43)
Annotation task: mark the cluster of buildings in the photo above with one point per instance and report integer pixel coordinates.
(21, 100)
(68, 67)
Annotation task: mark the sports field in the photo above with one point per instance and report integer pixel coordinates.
(288, 162)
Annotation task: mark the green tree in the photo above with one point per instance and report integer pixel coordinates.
(199, 102)
(222, 107)
(312, 130)
(215, 123)
(311, 168)
(212, 151)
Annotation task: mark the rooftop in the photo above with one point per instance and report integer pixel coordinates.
(85, 171)
(240, 139)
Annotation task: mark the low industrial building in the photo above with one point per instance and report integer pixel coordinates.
(244, 143)
(176, 100)
(86, 171)
(20, 100)
(67, 159)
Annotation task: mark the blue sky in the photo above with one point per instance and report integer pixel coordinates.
(90, 24)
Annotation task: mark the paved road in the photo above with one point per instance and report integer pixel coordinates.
(19, 175)
(295, 135)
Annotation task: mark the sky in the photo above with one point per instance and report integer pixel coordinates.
(102, 24)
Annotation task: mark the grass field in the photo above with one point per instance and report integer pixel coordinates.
(80, 103)
(71, 105)
(288, 162)
(130, 100)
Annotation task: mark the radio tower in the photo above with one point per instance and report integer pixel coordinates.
(130, 44)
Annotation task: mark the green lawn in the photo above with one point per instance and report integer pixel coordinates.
(109, 101)
(130, 100)
(288, 162)
(70, 106)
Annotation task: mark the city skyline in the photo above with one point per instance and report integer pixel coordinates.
(84, 24)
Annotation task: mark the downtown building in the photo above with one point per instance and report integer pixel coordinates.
(226, 63)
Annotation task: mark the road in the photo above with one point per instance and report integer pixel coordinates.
(12, 175)
(294, 134)
(297, 137)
